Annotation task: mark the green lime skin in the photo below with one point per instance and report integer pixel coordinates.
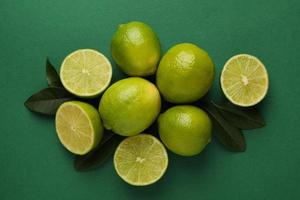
(136, 49)
(130, 106)
(185, 130)
(185, 73)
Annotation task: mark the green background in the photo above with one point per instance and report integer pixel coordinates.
(34, 165)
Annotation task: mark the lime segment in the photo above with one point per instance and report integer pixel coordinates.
(244, 80)
(86, 73)
(78, 127)
(141, 160)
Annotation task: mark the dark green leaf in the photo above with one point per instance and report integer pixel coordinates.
(230, 136)
(243, 118)
(97, 157)
(48, 100)
(52, 76)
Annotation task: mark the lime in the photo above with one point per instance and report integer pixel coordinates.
(185, 73)
(85, 73)
(78, 126)
(185, 130)
(244, 80)
(136, 49)
(141, 160)
(129, 106)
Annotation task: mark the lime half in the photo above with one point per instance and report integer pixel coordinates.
(141, 160)
(86, 73)
(244, 80)
(78, 127)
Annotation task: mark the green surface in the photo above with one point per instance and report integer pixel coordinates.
(34, 164)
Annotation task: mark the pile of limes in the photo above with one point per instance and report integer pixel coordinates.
(184, 74)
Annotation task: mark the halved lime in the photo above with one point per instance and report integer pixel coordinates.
(78, 127)
(141, 160)
(86, 73)
(244, 80)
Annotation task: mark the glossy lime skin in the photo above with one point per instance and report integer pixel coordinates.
(185, 130)
(185, 73)
(130, 106)
(136, 49)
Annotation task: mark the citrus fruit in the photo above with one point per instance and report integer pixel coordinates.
(129, 106)
(85, 73)
(141, 160)
(136, 49)
(185, 73)
(185, 130)
(244, 80)
(78, 126)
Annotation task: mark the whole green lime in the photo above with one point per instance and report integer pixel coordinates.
(185, 73)
(129, 106)
(136, 49)
(185, 130)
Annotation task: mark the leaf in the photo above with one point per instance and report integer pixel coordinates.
(52, 75)
(243, 118)
(48, 100)
(230, 136)
(97, 157)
